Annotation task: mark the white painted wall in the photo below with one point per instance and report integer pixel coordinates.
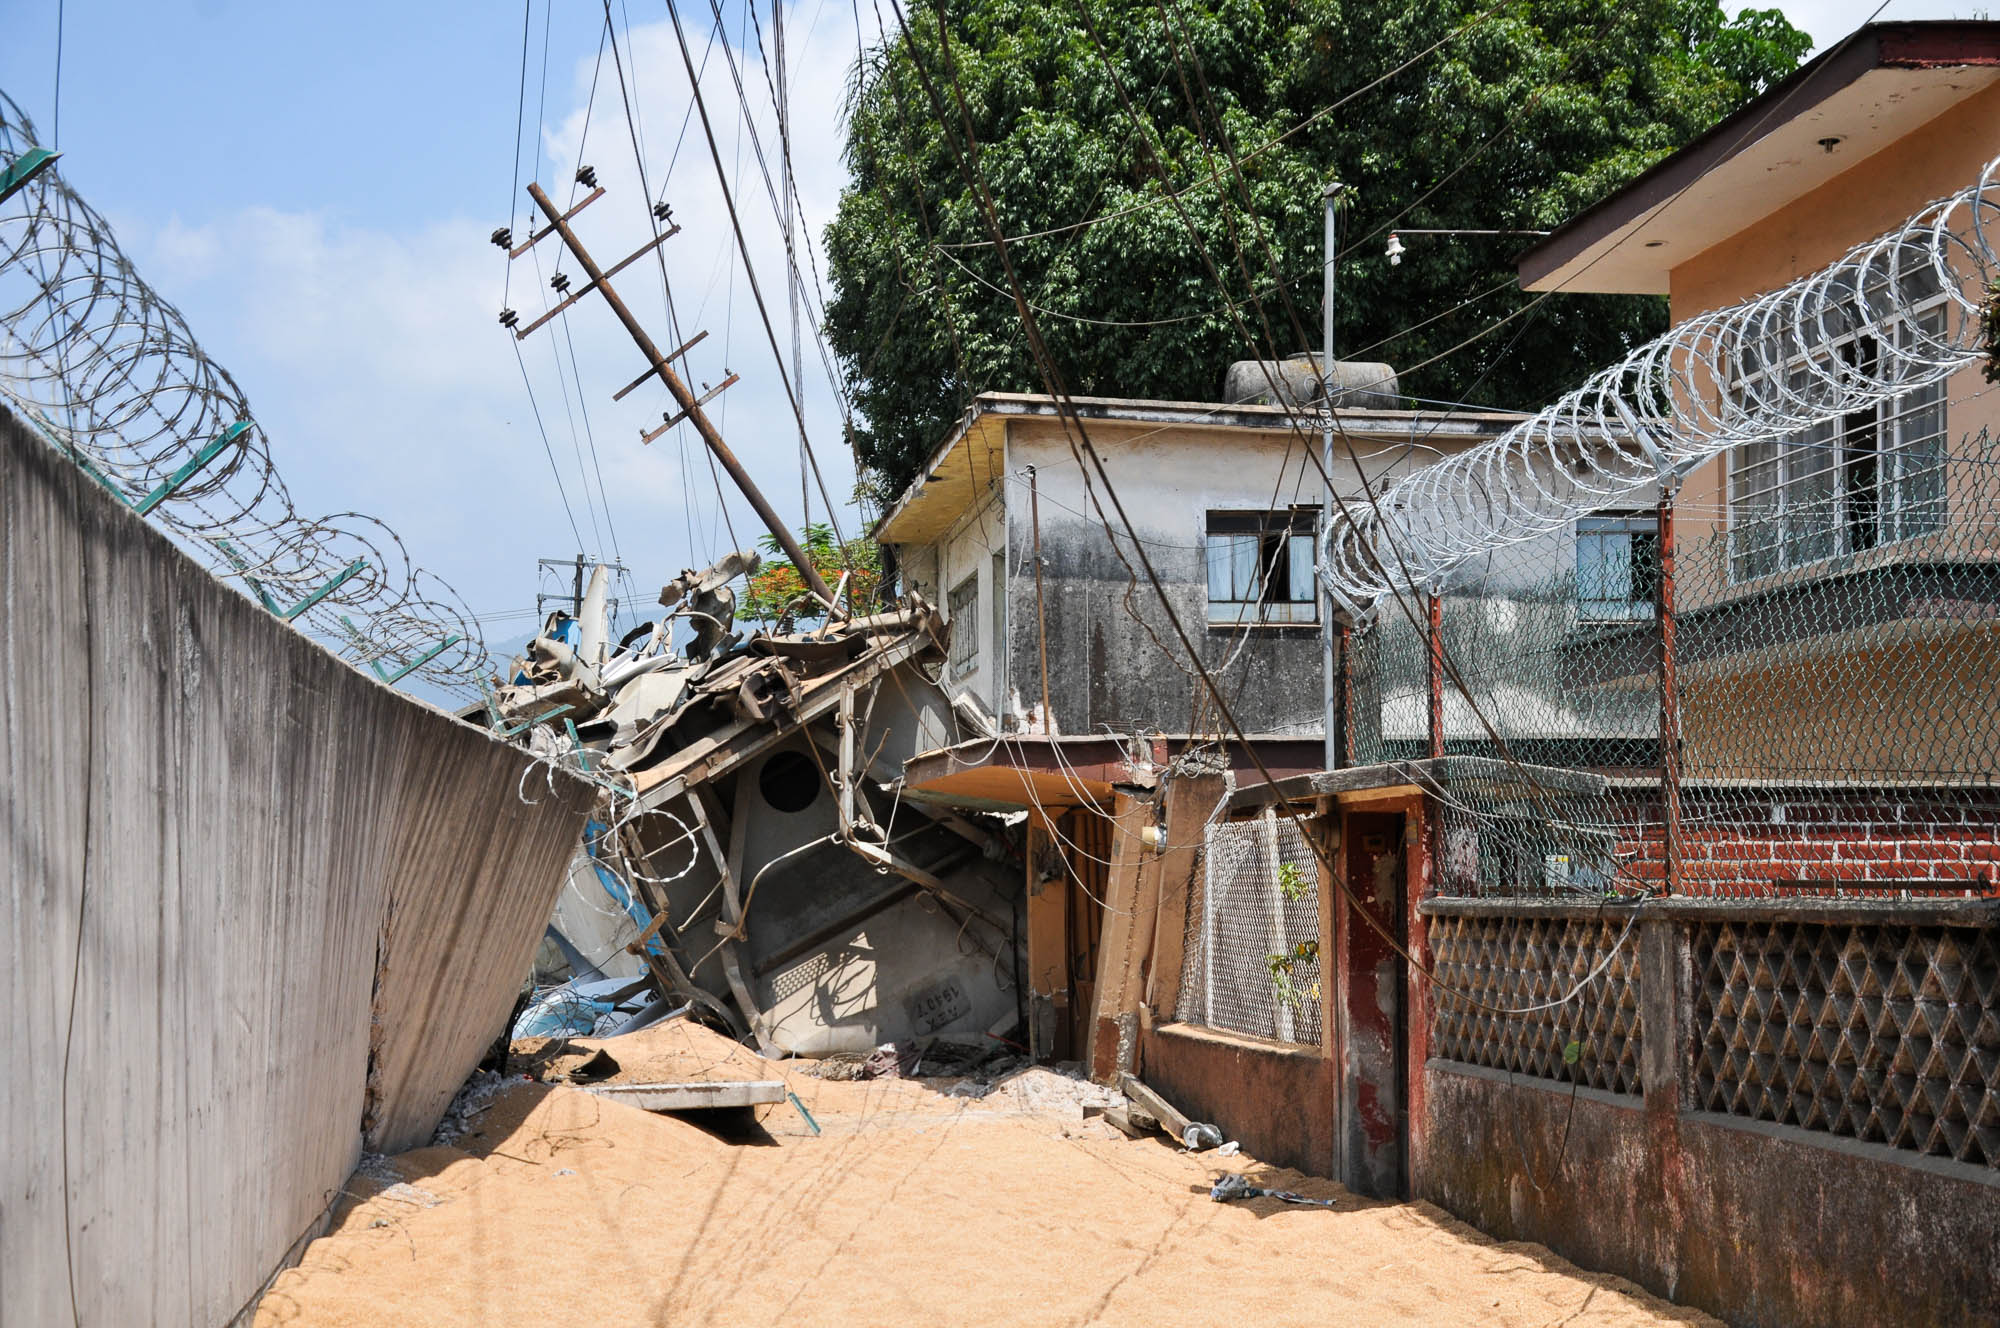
(969, 549)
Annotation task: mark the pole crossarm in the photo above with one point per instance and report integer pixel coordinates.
(1749, 372)
(684, 397)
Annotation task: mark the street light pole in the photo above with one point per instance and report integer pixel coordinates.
(1326, 632)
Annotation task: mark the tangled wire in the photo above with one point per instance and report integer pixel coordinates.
(1751, 372)
(105, 368)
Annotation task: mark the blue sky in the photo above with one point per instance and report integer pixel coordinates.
(313, 185)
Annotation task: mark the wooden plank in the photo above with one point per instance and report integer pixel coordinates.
(1128, 909)
(1048, 944)
(703, 1095)
(1190, 802)
(1170, 1117)
(1390, 798)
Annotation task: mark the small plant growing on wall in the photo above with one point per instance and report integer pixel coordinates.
(1284, 978)
(1292, 881)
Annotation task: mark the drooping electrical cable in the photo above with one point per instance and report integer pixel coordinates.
(750, 272)
(1077, 431)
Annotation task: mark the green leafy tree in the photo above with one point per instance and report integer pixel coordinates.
(1242, 110)
(777, 595)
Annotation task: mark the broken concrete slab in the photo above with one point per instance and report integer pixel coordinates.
(693, 1095)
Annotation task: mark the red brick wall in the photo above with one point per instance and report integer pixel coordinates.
(1739, 844)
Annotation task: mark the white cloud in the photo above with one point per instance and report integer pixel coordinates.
(372, 355)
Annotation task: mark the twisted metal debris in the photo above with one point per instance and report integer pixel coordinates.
(108, 370)
(1688, 396)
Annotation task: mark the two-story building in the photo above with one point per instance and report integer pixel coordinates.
(1010, 531)
(1838, 586)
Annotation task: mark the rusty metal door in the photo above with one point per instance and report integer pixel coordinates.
(1373, 1041)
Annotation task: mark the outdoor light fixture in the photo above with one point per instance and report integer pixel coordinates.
(1394, 253)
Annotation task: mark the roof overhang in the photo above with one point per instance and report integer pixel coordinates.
(1362, 785)
(1061, 772)
(1868, 91)
(973, 455)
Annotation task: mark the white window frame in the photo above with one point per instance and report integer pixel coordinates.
(1602, 607)
(1791, 503)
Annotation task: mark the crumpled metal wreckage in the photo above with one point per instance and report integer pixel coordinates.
(754, 853)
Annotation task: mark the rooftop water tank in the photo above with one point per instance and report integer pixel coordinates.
(1357, 384)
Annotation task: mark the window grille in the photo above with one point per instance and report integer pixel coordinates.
(1251, 962)
(1850, 484)
(1260, 568)
(1889, 1034)
(965, 626)
(1518, 963)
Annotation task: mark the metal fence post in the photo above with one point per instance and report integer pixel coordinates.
(1434, 642)
(1670, 700)
(1344, 695)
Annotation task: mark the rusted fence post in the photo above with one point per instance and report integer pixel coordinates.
(1344, 694)
(1435, 644)
(1670, 701)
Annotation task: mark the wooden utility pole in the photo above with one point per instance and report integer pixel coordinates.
(684, 397)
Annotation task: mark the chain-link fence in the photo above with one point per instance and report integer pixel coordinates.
(1251, 957)
(1831, 698)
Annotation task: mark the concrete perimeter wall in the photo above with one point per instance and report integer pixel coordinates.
(257, 905)
(1783, 1111)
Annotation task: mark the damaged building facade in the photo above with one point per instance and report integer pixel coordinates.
(818, 837)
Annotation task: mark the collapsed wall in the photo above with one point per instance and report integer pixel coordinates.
(261, 911)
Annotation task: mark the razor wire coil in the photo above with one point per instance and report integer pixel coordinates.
(108, 371)
(1751, 372)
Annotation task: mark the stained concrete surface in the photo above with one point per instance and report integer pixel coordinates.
(252, 897)
(1768, 1225)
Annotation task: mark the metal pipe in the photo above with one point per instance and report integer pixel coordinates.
(1326, 629)
(1434, 643)
(1670, 700)
(1345, 644)
(686, 400)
